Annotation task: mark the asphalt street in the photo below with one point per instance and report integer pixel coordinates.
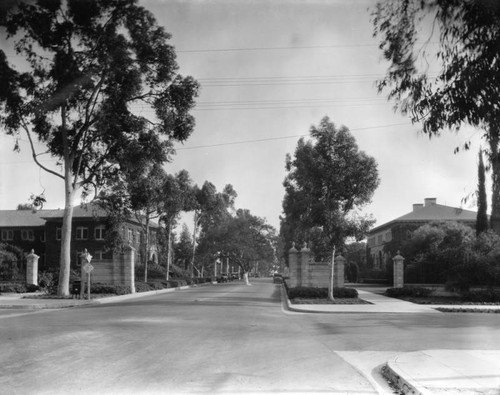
(226, 338)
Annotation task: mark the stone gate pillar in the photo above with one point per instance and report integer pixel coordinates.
(293, 263)
(338, 272)
(398, 262)
(129, 262)
(305, 254)
(32, 268)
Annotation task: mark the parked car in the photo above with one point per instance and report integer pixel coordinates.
(277, 278)
(235, 276)
(223, 278)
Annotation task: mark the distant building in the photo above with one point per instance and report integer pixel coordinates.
(400, 229)
(41, 231)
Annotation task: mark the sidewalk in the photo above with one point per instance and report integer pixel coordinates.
(16, 301)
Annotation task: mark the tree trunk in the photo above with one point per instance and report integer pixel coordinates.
(69, 194)
(194, 243)
(169, 248)
(245, 277)
(495, 177)
(147, 251)
(65, 257)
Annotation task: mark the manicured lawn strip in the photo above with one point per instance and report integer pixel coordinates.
(328, 301)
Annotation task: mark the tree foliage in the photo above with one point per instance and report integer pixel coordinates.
(328, 181)
(92, 69)
(243, 238)
(465, 89)
(450, 252)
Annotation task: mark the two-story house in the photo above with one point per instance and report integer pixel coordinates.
(401, 228)
(42, 230)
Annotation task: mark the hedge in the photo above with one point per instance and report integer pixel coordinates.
(414, 292)
(321, 293)
(482, 296)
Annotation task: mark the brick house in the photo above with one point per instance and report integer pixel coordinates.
(401, 228)
(41, 231)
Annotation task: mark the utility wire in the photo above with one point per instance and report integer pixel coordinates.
(280, 138)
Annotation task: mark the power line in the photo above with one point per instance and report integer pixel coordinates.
(280, 138)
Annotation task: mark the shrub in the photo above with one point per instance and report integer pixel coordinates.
(414, 292)
(155, 272)
(13, 287)
(100, 288)
(142, 287)
(32, 288)
(48, 282)
(320, 293)
(482, 296)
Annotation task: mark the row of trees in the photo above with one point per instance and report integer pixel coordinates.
(90, 71)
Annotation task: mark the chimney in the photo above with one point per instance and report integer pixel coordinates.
(416, 206)
(430, 202)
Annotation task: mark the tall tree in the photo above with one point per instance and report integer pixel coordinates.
(91, 67)
(466, 87)
(328, 180)
(183, 248)
(177, 197)
(482, 204)
(243, 238)
(210, 208)
(146, 197)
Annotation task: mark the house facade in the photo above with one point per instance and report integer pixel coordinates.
(41, 231)
(385, 238)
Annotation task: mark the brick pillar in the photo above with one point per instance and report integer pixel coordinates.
(398, 262)
(32, 268)
(338, 272)
(129, 262)
(305, 253)
(293, 263)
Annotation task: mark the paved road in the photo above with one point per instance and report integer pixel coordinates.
(227, 338)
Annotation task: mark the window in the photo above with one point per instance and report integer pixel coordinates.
(43, 236)
(8, 234)
(82, 233)
(98, 255)
(27, 234)
(58, 233)
(99, 232)
(130, 236)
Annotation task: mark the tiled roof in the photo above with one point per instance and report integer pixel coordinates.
(20, 218)
(433, 212)
(24, 218)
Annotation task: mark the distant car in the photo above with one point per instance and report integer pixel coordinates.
(223, 278)
(277, 278)
(235, 276)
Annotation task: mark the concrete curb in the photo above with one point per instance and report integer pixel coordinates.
(397, 380)
(40, 304)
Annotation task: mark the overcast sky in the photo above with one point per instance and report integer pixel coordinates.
(268, 71)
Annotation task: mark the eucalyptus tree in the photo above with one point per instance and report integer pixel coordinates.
(444, 69)
(210, 208)
(177, 196)
(328, 180)
(243, 238)
(91, 71)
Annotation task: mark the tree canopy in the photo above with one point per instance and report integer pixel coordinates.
(329, 179)
(93, 70)
(243, 238)
(465, 89)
